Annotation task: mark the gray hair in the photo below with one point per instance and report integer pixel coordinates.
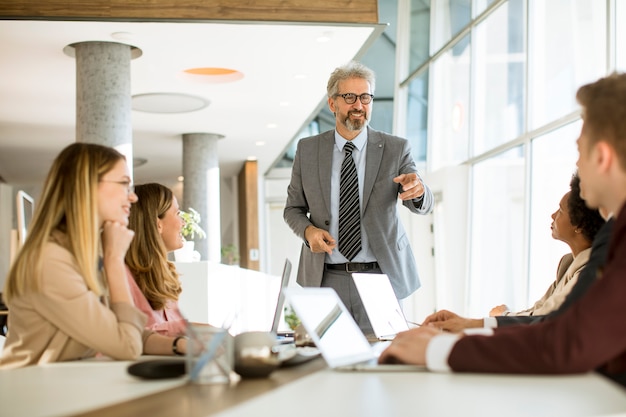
(352, 69)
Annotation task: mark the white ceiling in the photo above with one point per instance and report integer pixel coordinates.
(285, 71)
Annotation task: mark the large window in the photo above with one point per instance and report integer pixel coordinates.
(419, 33)
(417, 116)
(450, 77)
(500, 63)
(567, 49)
(493, 110)
(497, 231)
(553, 161)
(448, 18)
(620, 34)
(480, 6)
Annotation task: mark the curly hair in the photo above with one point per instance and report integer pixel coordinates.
(589, 221)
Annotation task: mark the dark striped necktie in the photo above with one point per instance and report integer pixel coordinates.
(349, 208)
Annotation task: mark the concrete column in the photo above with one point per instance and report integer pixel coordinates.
(201, 189)
(103, 94)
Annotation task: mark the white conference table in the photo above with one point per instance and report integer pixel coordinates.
(332, 393)
(103, 389)
(67, 388)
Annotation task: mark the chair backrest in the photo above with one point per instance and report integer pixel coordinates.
(4, 310)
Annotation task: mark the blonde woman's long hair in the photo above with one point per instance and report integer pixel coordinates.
(147, 255)
(68, 203)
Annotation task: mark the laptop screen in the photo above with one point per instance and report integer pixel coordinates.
(330, 325)
(284, 282)
(381, 304)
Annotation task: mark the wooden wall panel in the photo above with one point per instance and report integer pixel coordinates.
(362, 11)
(248, 201)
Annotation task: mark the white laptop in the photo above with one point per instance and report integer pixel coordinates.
(381, 305)
(281, 336)
(335, 333)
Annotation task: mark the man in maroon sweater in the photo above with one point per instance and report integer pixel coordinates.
(591, 334)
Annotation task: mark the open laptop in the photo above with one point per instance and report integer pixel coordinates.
(335, 333)
(381, 305)
(282, 336)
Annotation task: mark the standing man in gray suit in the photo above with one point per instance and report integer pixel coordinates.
(374, 240)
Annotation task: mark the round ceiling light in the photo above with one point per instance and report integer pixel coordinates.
(168, 103)
(212, 75)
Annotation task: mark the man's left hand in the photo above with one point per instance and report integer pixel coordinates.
(412, 187)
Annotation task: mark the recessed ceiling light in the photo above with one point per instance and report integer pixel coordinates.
(260, 143)
(325, 37)
(168, 103)
(284, 104)
(180, 178)
(212, 75)
(272, 126)
(122, 36)
(300, 76)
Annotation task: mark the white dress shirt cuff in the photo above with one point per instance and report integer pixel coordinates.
(481, 331)
(438, 350)
(490, 322)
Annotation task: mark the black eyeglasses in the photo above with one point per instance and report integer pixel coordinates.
(350, 98)
(130, 188)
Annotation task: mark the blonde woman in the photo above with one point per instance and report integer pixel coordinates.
(152, 278)
(67, 302)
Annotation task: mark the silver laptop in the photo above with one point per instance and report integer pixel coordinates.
(282, 336)
(335, 333)
(381, 305)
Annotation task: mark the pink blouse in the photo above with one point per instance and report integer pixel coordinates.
(168, 321)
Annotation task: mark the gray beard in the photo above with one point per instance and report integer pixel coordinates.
(355, 125)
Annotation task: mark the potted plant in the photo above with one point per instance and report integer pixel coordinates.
(190, 230)
(230, 254)
(191, 227)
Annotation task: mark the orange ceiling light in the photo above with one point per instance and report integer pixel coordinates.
(213, 75)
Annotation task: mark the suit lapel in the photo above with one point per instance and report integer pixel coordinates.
(325, 162)
(375, 146)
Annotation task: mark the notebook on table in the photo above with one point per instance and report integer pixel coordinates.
(339, 339)
(381, 305)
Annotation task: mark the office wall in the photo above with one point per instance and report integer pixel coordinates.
(7, 210)
(279, 240)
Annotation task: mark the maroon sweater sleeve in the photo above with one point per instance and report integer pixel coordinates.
(589, 335)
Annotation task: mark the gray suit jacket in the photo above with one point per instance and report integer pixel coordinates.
(308, 203)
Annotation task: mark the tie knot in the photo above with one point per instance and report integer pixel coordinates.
(348, 147)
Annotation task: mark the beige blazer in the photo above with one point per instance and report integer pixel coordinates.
(66, 321)
(561, 287)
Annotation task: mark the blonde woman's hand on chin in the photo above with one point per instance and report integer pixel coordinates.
(116, 238)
